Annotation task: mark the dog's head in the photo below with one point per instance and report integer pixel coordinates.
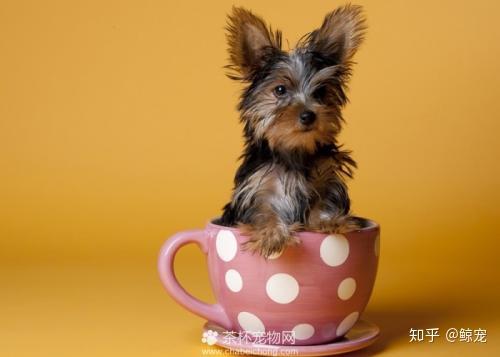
(293, 99)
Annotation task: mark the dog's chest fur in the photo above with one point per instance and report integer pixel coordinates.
(292, 186)
(276, 188)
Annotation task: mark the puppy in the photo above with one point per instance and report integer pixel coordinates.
(293, 171)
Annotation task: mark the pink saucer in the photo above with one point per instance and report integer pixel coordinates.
(361, 335)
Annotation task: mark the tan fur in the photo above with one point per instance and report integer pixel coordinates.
(344, 28)
(286, 133)
(247, 36)
(318, 222)
(269, 236)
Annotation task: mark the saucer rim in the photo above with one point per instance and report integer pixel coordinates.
(322, 349)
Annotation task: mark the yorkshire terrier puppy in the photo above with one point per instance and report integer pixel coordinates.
(293, 171)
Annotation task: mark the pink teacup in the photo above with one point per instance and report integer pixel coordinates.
(316, 290)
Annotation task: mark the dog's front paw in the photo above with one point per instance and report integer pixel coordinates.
(269, 240)
(336, 224)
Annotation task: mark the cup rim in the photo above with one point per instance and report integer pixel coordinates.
(371, 225)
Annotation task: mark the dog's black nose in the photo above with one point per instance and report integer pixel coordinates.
(307, 117)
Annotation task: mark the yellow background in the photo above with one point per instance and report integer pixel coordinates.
(118, 128)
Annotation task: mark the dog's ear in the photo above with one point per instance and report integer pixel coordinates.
(340, 35)
(251, 43)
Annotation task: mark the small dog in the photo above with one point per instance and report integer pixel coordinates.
(292, 175)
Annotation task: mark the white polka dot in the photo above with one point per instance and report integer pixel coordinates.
(347, 323)
(250, 323)
(282, 288)
(377, 245)
(226, 245)
(346, 288)
(303, 331)
(233, 280)
(334, 250)
(275, 255)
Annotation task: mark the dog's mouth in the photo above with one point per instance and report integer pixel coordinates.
(307, 129)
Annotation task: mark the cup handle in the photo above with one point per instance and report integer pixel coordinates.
(211, 312)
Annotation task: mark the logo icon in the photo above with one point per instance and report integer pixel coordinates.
(209, 337)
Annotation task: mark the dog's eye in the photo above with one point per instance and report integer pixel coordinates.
(280, 91)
